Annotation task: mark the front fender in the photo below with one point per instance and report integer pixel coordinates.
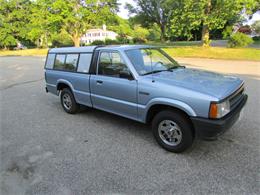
(168, 102)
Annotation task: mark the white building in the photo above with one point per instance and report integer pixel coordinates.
(98, 34)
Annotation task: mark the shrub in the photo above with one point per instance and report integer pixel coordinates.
(111, 42)
(98, 42)
(61, 39)
(140, 32)
(239, 40)
(122, 39)
(256, 38)
(227, 32)
(154, 33)
(139, 40)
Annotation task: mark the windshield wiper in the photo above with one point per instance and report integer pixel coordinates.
(175, 67)
(169, 69)
(155, 71)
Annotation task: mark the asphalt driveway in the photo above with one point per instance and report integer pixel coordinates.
(46, 151)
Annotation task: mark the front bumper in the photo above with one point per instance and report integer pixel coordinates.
(211, 128)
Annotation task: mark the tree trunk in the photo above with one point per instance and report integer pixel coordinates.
(38, 43)
(76, 41)
(205, 28)
(41, 44)
(46, 40)
(205, 36)
(162, 26)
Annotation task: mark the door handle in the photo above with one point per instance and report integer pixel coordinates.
(99, 82)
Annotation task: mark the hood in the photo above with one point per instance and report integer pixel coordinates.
(210, 83)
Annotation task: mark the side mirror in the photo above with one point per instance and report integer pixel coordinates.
(126, 75)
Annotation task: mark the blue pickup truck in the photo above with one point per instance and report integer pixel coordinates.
(143, 83)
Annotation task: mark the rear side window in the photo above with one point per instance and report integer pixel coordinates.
(59, 61)
(71, 62)
(66, 62)
(84, 62)
(50, 61)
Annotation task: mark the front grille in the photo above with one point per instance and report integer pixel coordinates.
(236, 98)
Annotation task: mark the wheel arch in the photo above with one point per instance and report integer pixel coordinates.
(156, 108)
(61, 84)
(158, 105)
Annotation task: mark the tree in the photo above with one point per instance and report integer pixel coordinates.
(13, 21)
(153, 11)
(216, 13)
(76, 16)
(185, 18)
(43, 23)
(210, 14)
(256, 27)
(121, 27)
(154, 33)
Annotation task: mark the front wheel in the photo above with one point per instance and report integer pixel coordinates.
(172, 131)
(68, 101)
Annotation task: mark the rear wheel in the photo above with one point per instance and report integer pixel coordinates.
(68, 101)
(172, 130)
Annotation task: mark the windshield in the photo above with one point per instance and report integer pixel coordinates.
(150, 60)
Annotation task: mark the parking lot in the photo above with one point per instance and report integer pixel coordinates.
(46, 151)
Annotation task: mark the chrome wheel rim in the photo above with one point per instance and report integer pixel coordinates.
(66, 100)
(169, 132)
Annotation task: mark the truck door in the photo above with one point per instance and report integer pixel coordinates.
(113, 87)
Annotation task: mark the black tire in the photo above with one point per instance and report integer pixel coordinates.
(184, 125)
(74, 107)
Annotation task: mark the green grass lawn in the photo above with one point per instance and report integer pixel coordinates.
(215, 53)
(177, 51)
(26, 52)
(176, 43)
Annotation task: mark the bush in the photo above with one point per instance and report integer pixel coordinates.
(239, 40)
(256, 38)
(154, 33)
(56, 43)
(140, 32)
(61, 39)
(139, 40)
(122, 39)
(98, 42)
(111, 42)
(227, 32)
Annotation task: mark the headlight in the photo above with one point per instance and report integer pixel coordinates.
(218, 110)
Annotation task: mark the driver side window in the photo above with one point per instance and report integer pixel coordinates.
(111, 64)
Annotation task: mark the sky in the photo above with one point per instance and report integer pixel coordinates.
(124, 13)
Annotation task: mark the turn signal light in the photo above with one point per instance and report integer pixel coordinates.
(213, 112)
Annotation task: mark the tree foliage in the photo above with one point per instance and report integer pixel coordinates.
(256, 27)
(13, 21)
(76, 16)
(181, 17)
(121, 27)
(43, 22)
(40, 20)
(185, 18)
(154, 11)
